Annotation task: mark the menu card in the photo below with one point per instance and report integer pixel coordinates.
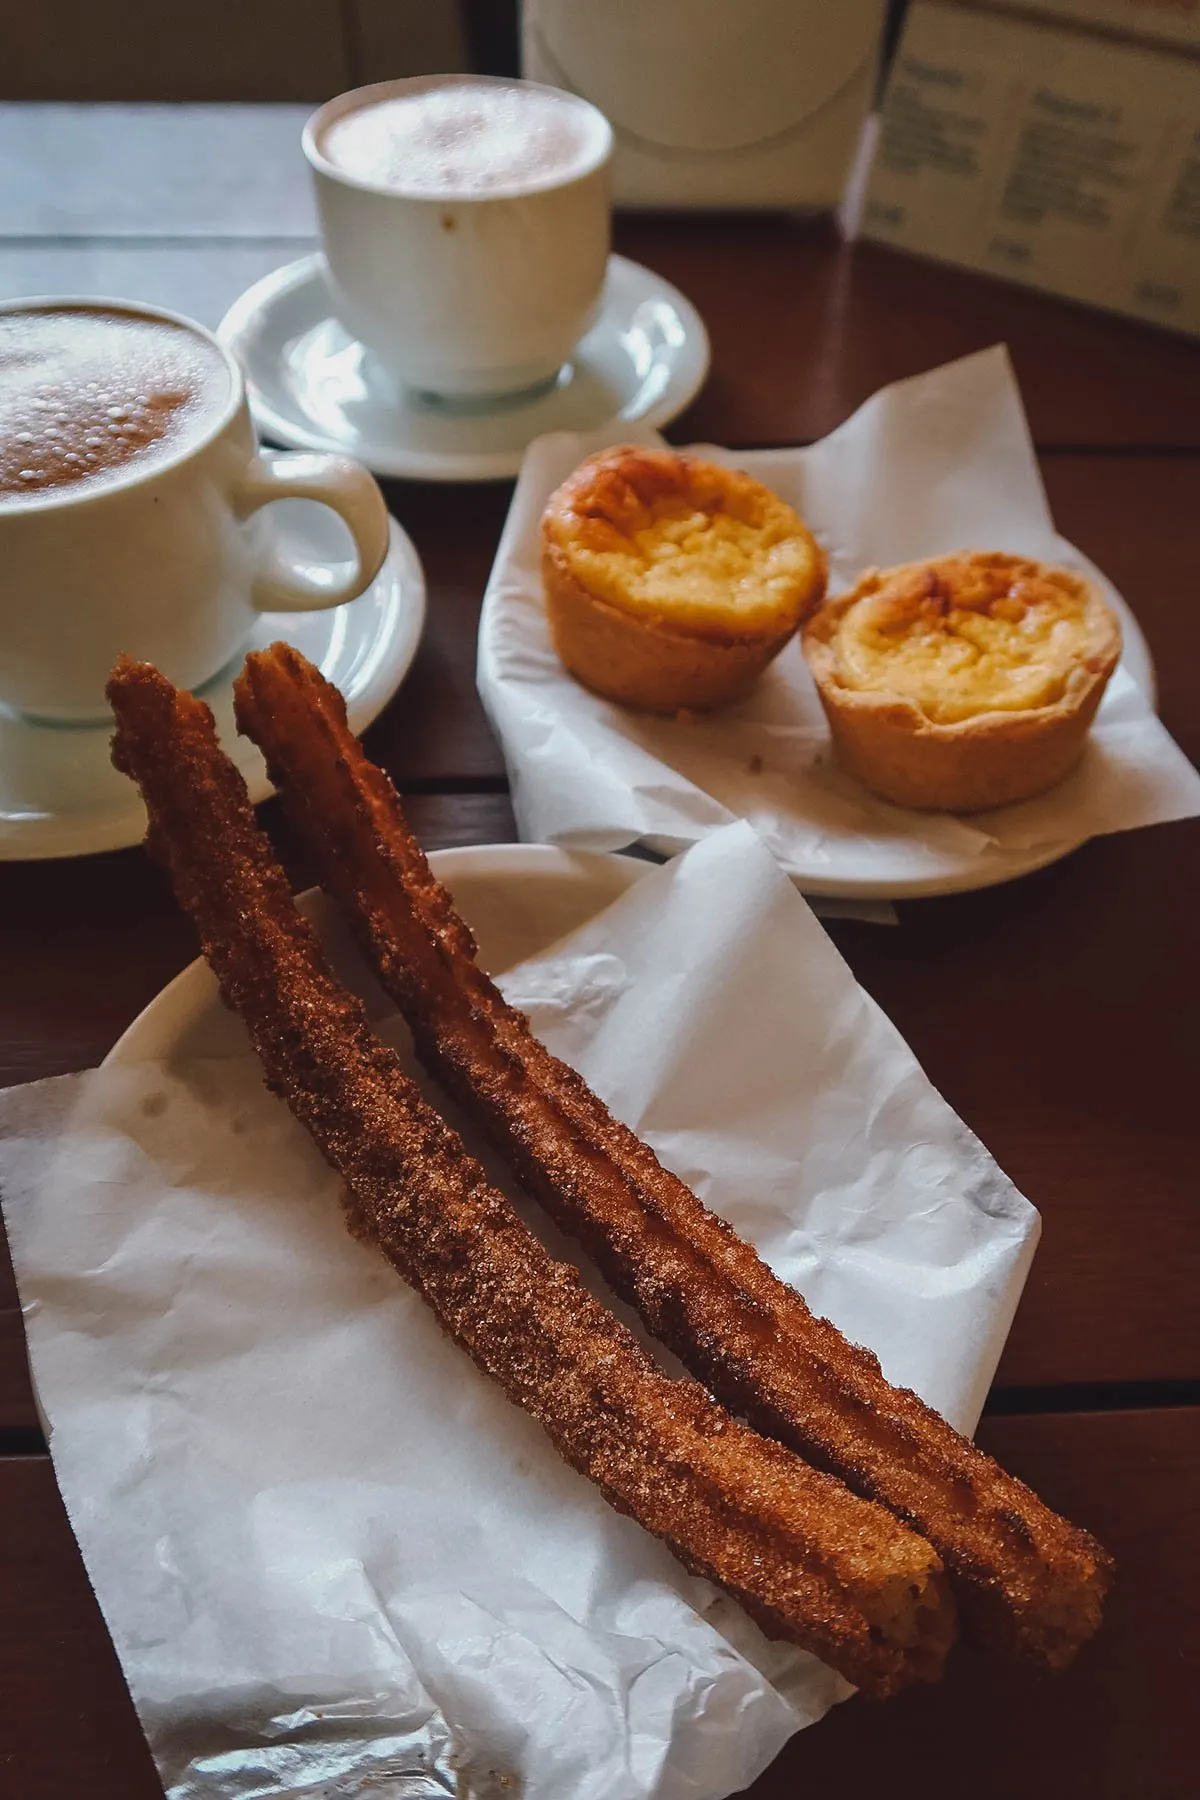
(1063, 161)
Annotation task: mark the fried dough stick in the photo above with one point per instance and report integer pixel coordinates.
(1028, 1583)
(809, 1560)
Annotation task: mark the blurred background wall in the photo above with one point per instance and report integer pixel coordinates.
(248, 49)
(234, 49)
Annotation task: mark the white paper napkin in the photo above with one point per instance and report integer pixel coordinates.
(941, 462)
(327, 1549)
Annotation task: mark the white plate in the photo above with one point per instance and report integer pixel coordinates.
(314, 387)
(851, 874)
(987, 869)
(61, 796)
(693, 773)
(517, 898)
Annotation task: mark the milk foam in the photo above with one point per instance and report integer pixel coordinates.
(85, 394)
(463, 140)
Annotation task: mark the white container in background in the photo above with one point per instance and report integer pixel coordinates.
(717, 102)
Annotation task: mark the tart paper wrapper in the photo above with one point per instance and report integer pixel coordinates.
(329, 1552)
(940, 462)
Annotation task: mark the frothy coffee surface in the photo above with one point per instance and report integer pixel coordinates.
(84, 394)
(463, 140)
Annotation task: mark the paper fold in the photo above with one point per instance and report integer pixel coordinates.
(939, 462)
(326, 1548)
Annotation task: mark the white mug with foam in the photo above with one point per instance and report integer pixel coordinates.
(466, 227)
(167, 555)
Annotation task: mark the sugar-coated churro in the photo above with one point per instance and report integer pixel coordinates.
(809, 1560)
(1028, 1582)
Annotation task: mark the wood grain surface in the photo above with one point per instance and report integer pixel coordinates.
(804, 329)
(1052, 1016)
(1116, 1727)
(1056, 1014)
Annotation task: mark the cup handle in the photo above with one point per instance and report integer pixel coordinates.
(336, 482)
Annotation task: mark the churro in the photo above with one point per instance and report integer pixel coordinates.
(1028, 1583)
(810, 1561)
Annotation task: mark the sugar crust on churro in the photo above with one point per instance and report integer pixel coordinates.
(809, 1560)
(1028, 1582)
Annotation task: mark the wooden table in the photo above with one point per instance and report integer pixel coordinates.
(1057, 1015)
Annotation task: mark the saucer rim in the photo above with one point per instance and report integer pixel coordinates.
(264, 295)
(90, 837)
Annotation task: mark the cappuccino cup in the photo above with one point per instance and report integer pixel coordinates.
(132, 497)
(466, 225)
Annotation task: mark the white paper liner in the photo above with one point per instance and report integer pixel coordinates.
(937, 463)
(327, 1549)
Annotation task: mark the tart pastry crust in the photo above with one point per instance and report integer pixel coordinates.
(965, 682)
(672, 582)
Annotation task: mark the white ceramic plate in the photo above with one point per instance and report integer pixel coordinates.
(967, 874)
(849, 881)
(517, 898)
(61, 796)
(314, 387)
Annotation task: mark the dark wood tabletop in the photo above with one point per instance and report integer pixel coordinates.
(1057, 1014)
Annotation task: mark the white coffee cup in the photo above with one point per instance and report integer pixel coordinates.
(171, 559)
(466, 295)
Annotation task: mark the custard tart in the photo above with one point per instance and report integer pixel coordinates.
(672, 582)
(965, 682)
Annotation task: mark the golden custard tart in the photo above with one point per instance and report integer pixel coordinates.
(965, 682)
(671, 582)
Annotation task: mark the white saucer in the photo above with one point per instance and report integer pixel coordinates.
(314, 387)
(61, 796)
(519, 898)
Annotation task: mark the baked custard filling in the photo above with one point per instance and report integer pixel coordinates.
(718, 552)
(966, 635)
